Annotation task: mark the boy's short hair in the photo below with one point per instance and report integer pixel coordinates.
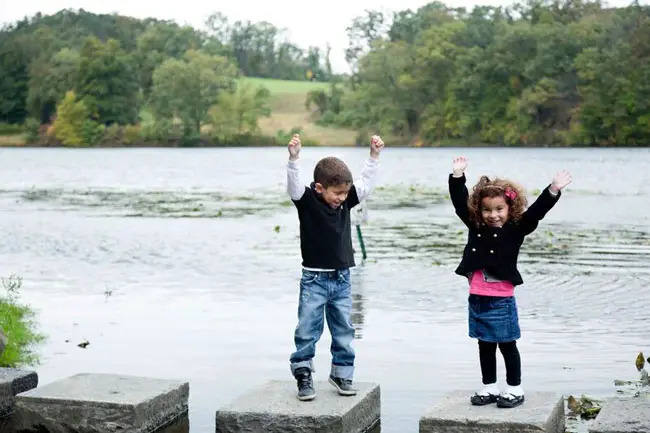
(331, 171)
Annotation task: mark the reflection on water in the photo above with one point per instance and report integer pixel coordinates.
(185, 263)
(356, 317)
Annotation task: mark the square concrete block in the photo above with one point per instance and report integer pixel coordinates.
(107, 403)
(630, 415)
(274, 408)
(540, 412)
(12, 383)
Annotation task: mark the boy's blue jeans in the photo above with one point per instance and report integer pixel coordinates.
(327, 295)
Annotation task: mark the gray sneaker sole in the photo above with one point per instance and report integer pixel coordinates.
(341, 391)
(306, 397)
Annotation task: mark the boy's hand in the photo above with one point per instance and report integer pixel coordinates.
(376, 146)
(459, 165)
(561, 180)
(294, 147)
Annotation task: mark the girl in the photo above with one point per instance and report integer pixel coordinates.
(498, 221)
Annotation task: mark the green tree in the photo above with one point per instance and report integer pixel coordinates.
(315, 65)
(328, 103)
(159, 42)
(19, 50)
(49, 81)
(408, 25)
(187, 88)
(614, 84)
(362, 34)
(106, 82)
(437, 54)
(385, 90)
(27, 46)
(261, 50)
(237, 113)
(543, 71)
(14, 76)
(71, 116)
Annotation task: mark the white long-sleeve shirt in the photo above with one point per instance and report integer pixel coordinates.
(364, 185)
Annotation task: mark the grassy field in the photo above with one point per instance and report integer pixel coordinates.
(284, 87)
(288, 111)
(12, 140)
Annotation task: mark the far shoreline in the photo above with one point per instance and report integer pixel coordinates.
(18, 142)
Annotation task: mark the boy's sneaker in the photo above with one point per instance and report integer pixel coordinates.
(305, 385)
(343, 386)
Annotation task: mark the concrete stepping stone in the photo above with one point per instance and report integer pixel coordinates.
(274, 408)
(12, 382)
(629, 415)
(107, 403)
(540, 412)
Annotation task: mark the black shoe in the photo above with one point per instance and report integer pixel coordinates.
(305, 384)
(510, 401)
(343, 386)
(482, 400)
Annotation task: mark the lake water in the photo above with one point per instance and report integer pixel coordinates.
(184, 264)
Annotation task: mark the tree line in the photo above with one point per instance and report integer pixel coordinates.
(541, 72)
(567, 72)
(77, 77)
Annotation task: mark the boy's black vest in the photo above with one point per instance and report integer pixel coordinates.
(496, 249)
(325, 239)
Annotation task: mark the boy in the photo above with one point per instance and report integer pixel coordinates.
(326, 246)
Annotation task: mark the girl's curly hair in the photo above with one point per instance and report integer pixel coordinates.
(514, 194)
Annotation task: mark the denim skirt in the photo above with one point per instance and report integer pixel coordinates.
(493, 319)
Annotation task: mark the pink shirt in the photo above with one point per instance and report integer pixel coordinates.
(478, 286)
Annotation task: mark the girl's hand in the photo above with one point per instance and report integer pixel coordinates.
(561, 180)
(459, 165)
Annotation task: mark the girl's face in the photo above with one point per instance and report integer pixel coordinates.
(494, 211)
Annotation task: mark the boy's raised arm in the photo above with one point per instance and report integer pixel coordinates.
(294, 188)
(366, 183)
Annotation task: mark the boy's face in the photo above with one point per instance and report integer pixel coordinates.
(335, 195)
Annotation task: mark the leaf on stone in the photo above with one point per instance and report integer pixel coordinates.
(590, 413)
(587, 403)
(586, 407)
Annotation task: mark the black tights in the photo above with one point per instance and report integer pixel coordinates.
(488, 355)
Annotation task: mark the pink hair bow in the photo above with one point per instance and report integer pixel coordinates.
(511, 194)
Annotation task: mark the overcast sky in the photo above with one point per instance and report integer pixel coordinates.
(307, 22)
